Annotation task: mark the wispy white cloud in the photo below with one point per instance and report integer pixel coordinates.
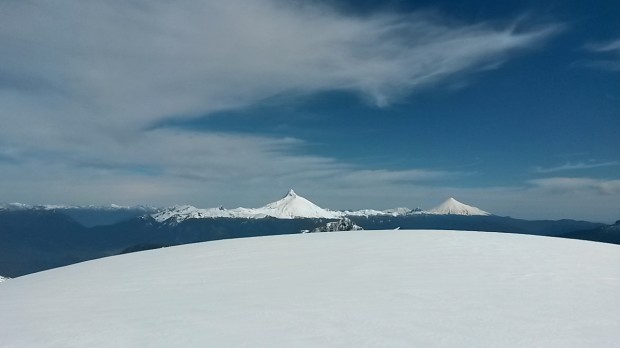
(608, 56)
(148, 59)
(572, 185)
(611, 46)
(600, 64)
(81, 82)
(164, 167)
(575, 166)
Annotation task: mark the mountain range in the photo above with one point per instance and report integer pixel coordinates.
(35, 238)
(291, 206)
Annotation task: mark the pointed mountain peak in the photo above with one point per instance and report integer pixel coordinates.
(453, 207)
(295, 206)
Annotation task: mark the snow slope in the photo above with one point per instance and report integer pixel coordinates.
(3, 279)
(348, 289)
(453, 207)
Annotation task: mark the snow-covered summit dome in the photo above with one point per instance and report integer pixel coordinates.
(453, 207)
(417, 288)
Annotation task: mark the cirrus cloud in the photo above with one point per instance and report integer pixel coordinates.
(576, 166)
(608, 56)
(571, 185)
(82, 82)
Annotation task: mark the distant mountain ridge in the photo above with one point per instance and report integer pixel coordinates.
(605, 234)
(33, 240)
(87, 215)
(21, 206)
(293, 206)
(36, 238)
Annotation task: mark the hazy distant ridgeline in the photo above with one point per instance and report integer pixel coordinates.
(36, 238)
(32, 241)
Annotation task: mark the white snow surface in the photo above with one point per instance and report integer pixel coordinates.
(3, 279)
(453, 207)
(342, 289)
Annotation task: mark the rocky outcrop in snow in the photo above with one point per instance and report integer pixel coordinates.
(344, 224)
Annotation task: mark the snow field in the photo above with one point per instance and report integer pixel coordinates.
(343, 289)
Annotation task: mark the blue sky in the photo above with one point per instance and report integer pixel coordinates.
(510, 106)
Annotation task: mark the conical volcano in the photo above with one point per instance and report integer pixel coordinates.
(294, 206)
(453, 207)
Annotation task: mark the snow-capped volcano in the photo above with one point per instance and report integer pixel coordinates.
(453, 207)
(290, 206)
(294, 206)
